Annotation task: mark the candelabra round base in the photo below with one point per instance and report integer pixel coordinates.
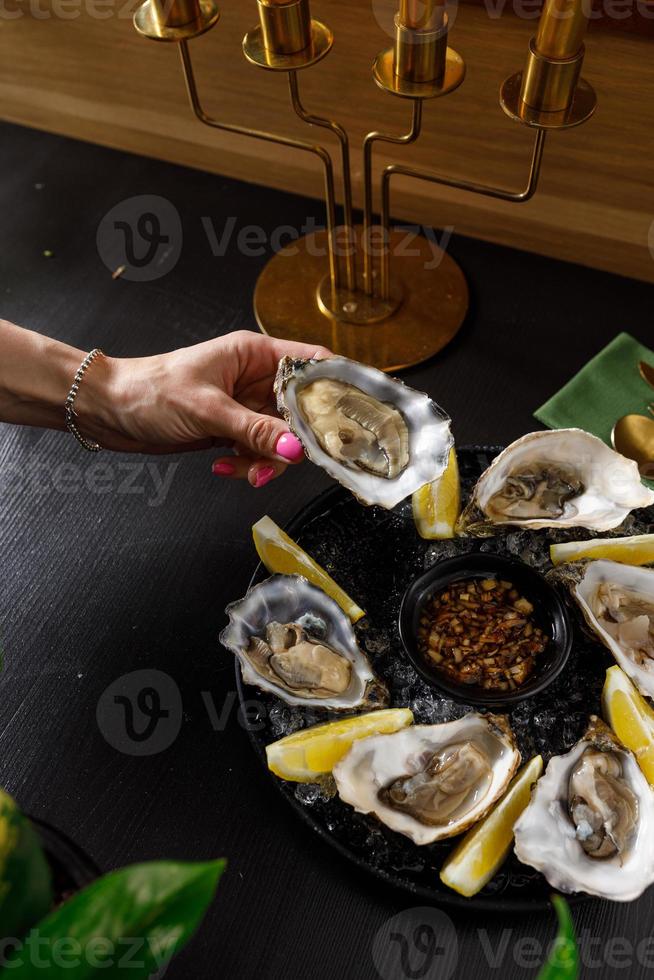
(429, 301)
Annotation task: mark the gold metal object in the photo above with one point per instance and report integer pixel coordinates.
(549, 93)
(633, 436)
(406, 306)
(287, 39)
(385, 77)
(341, 135)
(368, 144)
(444, 80)
(433, 304)
(549, 84)
(517, 197)
(582, 107)
(356, 307)
(285, 28)
(318, 151)
(423, 15)
(419, 56)
(562, 27)
(175, 20)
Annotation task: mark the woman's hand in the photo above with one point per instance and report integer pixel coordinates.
(218, 393)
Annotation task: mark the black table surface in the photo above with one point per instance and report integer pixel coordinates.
(104, 576)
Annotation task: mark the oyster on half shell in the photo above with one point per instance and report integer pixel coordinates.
(430, 782)
(377, 437)
(293, 641)
(590, 823)
(557, 478)
(617, 602)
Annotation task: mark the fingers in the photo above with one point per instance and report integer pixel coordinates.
(260, 435)
(283, 348)
(261, 354)
(258, 472)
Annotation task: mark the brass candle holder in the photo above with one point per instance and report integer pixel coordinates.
(352, 289)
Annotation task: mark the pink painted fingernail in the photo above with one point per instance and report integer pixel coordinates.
(289, 447)
(223, 469)
(264, 476)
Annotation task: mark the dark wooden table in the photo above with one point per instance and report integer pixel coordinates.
(103, 574)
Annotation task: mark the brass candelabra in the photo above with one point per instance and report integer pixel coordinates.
(350, 288)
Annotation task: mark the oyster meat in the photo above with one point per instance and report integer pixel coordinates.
(302, 664)
(617, 602)
(377, 437)
(590, 823)
(293, 641)
(355, 429)
(603, 808)
(429, 782)
(558, 478)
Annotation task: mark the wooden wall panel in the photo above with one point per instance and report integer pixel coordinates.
(95, 79)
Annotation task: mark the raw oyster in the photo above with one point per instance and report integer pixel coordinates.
(590, 823)
(355, 429)
(429, 782)
(379, 438)
(292, 640)
(618, 604)
(557, 478)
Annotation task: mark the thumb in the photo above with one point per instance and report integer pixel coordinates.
(263, 435)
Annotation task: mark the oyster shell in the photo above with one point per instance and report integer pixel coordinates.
(590, 823)
(293, 641)
(556, 478)
(377, 437)
(429, 782)
(617, 602)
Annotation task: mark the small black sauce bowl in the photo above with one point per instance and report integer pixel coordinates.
(549, 614)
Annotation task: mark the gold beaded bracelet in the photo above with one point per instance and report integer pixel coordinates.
(71, 414)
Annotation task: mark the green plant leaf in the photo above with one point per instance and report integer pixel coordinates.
(128, 923)
(563, 961)
(25, 877)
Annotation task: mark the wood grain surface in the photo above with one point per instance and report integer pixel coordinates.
(96, 583)
(97, 80)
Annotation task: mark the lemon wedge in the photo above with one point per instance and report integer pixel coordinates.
(306, 755)
(437, 505)
(638, 550)
(281, 555)
(484, 848)
(630, 717)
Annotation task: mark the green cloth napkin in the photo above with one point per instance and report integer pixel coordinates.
(608, 387)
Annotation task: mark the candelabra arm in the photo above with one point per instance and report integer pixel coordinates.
(339, 132)
(370, 140)
(517, 197)
(314, 148)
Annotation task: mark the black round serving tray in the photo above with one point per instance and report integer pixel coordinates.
(374, 555)
(72, 868)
